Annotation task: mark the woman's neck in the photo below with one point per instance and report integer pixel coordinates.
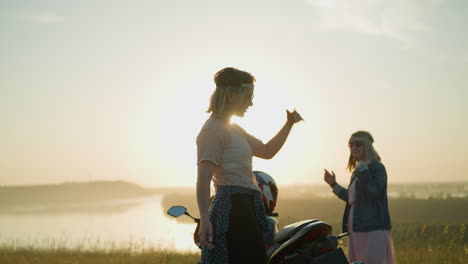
(367, 161)
(225, 118)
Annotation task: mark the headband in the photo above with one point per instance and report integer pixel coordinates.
(244, 85)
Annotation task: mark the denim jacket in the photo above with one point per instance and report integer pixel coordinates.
(370, 203)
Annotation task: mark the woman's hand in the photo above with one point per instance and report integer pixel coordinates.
(329, 178)
(293, 117)
(205, 233)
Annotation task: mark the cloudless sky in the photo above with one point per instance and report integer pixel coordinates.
(116, 90)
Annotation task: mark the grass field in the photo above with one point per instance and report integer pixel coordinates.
(25, 256)
(424, 231)
(415, 243)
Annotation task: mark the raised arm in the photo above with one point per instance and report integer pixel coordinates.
(338, 190)
(269, 150)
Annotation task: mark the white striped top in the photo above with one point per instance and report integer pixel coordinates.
(230, 149)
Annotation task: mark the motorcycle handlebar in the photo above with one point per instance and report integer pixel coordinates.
(340, 236)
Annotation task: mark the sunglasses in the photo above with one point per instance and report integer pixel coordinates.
(356, 144)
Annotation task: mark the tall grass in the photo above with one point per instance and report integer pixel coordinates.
(91, 251)
(431, 243)
(415, 243)
(96, 256)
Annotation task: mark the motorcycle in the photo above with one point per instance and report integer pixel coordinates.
(304, 242)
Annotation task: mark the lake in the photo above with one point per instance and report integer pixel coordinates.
(136, 224)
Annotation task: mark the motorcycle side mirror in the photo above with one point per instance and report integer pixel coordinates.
(176, 211)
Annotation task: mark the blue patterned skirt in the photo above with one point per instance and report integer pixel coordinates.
(219, 213)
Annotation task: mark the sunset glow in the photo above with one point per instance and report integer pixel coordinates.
(117, 91)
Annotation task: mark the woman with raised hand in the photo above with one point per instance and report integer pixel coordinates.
(231, 228)
(366, 217)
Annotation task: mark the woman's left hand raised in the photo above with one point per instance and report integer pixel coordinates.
(293, 117)
(329, 178)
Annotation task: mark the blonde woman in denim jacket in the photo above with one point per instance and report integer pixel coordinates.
(366, 217)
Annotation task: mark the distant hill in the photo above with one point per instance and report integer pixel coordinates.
(70, 192)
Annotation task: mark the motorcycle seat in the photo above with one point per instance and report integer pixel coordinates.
(308, 229)
(289, 230)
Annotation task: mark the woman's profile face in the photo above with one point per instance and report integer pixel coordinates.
(357, 149)
(242, 103)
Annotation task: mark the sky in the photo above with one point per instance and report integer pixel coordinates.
(117, 90)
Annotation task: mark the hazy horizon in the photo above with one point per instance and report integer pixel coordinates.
(116, 90)
(284, 185)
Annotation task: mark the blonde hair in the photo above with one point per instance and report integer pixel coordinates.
(370, 154)
(228, 80)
